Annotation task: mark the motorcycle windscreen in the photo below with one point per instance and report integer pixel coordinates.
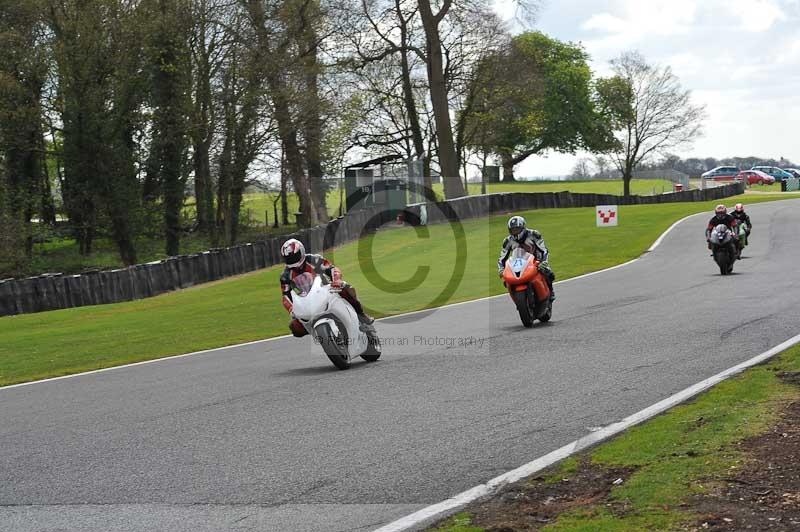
(302, 284)
(518, 260)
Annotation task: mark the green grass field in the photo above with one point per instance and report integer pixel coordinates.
(258, 203)
(675, 456)
(639, 187)
(247, 308)
(61, 254)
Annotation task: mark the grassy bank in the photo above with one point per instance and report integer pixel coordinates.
(248, 307)
(60, 254)
(651, 477)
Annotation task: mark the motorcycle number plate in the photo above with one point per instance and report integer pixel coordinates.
(518, 264)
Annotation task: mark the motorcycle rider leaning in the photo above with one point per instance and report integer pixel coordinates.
(297, 263)
(531, 241)
(742, 217)
(721, 216)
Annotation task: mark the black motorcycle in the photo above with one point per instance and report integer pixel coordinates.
(723, 248)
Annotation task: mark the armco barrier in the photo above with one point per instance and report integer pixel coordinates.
(478, 206)
(57, 291)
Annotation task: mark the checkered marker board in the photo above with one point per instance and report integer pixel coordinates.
(607, 215)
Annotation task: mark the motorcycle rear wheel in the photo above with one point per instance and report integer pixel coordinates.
(544, 318)
(373, 350)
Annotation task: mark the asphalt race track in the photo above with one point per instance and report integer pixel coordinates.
(269, 437)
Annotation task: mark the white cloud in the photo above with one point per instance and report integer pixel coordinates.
(654, 17)
(756, 15)
(740, 58)
(605, 22)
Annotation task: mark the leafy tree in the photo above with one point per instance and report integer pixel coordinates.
(536, 95)
(23, 73)
(98, 52)
(170, 77)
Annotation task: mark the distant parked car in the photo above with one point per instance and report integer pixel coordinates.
(778, 173)
(754, 177)
(794, 171)
(721, 172)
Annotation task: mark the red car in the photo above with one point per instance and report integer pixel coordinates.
(754, 177)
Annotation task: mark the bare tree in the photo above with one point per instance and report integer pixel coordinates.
(653, 113)
(603, 166)
(448, 158)
(582, 169)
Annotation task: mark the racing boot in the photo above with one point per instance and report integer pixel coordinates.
(365, 324)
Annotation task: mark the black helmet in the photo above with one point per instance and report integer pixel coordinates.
(516, 225)
(293, 253)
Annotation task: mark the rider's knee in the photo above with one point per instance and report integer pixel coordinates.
(297, 328)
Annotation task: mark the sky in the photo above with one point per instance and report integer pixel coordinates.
(739, 58)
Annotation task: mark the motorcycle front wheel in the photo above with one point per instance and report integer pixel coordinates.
(334, 346)
(521, 301)
(723, 261)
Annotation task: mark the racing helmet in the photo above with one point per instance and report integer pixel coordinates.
(720, 210)
(516, 225)
(293, 253)
(739, 207)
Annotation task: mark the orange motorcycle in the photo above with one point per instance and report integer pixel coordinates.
(527, 287)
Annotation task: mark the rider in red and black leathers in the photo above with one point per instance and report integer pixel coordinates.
(318, 265)
(727, 220)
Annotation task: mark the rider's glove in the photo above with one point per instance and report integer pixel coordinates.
(500, 273)
(336, 281)
(544, 267)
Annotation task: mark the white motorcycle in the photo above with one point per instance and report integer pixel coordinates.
(333, 322)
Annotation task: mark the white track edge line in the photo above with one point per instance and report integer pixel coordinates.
(436, 511)
(173, 357)
(143, 362)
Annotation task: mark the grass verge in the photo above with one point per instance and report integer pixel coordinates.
(652, 476)
(395, 270)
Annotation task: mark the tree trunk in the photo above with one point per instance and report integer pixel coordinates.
(169, 91)
(483, 173)
(224, 186)
(204, 202)
(284, 196)
(448, 159)
(279, 93)
(508, 167)
(47, 209)
(201, 160)
(235, 209)
(410, 102)
(627, 175)
(202, 128)
(312, 124)
(294, 158)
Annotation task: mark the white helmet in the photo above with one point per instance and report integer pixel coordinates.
(293, 253)
(516, 225)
